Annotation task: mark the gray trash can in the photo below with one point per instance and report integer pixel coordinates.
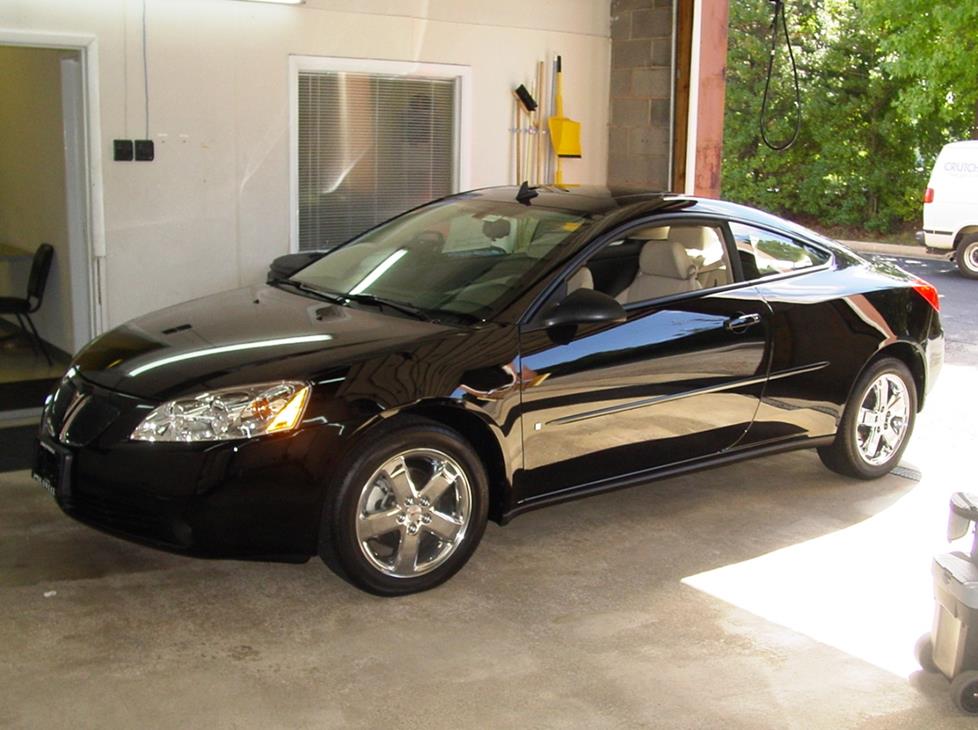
(952, 646)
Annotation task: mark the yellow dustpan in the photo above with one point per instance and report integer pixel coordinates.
(565, 134)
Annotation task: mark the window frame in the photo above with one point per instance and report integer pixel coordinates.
(732, 248)
(553, 292)
(335, 64)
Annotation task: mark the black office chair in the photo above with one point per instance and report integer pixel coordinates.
(24, 308)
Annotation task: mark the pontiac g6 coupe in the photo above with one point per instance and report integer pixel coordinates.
(477, 357)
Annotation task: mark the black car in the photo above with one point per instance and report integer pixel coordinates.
(484, 355)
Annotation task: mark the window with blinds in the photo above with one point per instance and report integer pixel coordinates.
(370, 146)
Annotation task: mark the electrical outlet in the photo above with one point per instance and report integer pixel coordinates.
(145, 151)
(122, 150)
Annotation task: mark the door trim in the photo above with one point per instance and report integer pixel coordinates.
(754, 380)
(611, 484)
(620, 408)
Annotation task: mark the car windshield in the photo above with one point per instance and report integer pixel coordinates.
(462, 257)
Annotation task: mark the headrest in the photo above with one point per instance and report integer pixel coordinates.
(691, 236)
(581, 279)
(652, 233)
(494, 229)
(666, 258)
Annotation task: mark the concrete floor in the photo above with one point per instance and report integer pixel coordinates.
(767, 594)
(571, 617)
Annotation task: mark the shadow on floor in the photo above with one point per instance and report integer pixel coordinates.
(41, 544)
(16, 447)
(663, 530)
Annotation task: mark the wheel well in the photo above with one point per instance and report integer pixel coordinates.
(906, 354)
(480, 436)
(966, 232)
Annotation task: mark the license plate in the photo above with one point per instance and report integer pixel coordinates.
(52, 468)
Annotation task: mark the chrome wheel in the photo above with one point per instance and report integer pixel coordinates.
(881, 424)
(413, 513)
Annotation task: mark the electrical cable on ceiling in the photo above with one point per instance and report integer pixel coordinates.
(778, 147)
(145, 74)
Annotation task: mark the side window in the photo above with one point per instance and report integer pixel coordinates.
(651, 262)
(763, 253)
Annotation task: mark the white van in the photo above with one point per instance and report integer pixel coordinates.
(951, 205)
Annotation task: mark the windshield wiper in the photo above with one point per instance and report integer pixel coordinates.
(309, 289)
(373, 299)
(381, 302)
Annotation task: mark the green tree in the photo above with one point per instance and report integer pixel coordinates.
(933, 44)
(872, 120)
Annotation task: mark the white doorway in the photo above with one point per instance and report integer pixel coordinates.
(50, 192)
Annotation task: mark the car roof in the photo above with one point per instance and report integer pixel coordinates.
(578, 199)
(627, 202)
(602, 200)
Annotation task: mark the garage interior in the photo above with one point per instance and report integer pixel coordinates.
(768, 593)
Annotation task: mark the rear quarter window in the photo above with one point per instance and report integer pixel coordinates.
(763, 253)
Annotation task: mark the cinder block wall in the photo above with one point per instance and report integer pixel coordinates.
(641, 86)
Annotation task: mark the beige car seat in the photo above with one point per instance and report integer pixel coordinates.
(664, 268)
(581, 279)
(702, 244)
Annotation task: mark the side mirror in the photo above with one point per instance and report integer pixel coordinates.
(584, 306)
(284, 266)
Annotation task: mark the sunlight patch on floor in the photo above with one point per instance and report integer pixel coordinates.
(866, 590)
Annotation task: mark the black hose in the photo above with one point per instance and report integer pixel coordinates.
(778, 147)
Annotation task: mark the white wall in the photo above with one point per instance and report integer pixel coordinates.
(212, 210)
(32, 181)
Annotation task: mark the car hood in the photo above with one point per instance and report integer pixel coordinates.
(248, 335)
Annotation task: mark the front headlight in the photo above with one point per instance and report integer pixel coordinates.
(229, 413)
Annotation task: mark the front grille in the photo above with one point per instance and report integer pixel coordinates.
(141, 518)
(79, 412)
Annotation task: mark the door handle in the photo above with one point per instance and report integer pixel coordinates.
(742, 323)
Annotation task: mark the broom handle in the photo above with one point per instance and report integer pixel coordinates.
(531, 139)
(560, 90)
(519, 146)
(538, 138)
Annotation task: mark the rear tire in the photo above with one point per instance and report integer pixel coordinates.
(876, 424)
(407, 509)
(966, 257)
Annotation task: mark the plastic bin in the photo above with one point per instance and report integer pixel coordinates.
(952, 646)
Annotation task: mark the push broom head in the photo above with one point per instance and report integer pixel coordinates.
(528, 103)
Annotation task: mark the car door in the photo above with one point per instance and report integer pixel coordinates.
(679, 379)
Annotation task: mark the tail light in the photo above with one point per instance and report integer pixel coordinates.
(928, 291)
(929, 195)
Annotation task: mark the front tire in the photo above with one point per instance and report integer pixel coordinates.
(966, 257)
(876, 424)
(407, 511)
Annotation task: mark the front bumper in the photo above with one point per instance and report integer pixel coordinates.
(259, 497)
